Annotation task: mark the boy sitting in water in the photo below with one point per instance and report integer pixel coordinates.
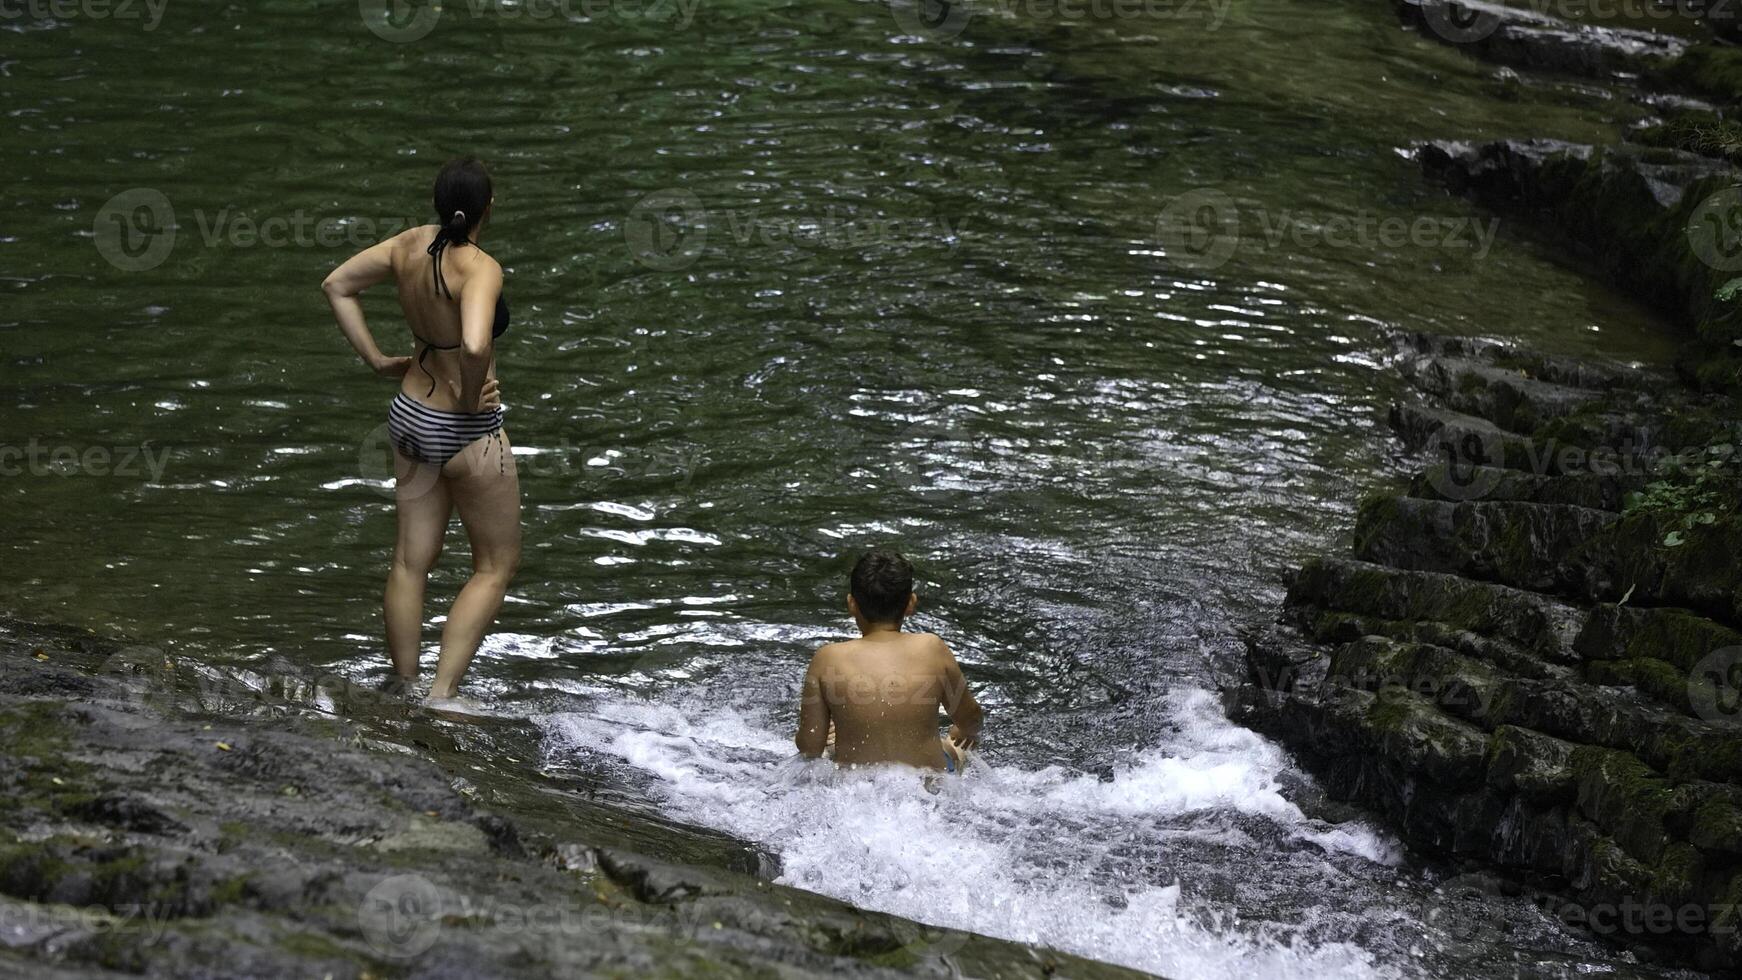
(881, 693)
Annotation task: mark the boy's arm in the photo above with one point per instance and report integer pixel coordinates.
(965, 714)
(813, 712)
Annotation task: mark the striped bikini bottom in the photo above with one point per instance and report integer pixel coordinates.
(433, 436)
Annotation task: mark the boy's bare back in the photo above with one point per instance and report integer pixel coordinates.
(882, 692)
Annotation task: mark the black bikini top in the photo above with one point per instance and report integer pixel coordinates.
(497, 329)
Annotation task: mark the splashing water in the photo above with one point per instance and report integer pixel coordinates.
(1064, 859)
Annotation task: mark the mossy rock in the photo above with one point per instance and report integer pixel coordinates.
(1711, 69)
(1626, 798)
(1537, 766)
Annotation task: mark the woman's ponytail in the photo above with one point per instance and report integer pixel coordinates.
(462, 195)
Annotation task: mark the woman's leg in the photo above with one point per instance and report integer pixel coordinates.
(486, 490)
(424, 506)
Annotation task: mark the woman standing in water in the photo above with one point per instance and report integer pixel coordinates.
(450, 450)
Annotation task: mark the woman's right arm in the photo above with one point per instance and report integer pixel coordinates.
(477, 322)
(342, 287)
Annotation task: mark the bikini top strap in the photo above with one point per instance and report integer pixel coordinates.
(435, 250)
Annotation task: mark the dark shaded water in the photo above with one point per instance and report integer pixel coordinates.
(789, 281)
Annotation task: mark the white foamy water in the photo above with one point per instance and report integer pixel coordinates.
(1094, 866)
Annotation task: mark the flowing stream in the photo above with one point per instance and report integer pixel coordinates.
(790, 280)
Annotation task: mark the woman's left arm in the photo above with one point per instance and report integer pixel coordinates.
(343, 285)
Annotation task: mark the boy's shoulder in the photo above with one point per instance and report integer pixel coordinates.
(929, 642)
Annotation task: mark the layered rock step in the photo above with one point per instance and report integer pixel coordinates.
(1531, 656)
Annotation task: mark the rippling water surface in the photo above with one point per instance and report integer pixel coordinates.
(790, 280)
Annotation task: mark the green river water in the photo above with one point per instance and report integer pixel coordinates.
(790, 280)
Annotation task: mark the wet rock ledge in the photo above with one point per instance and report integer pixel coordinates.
(139, 837)
(1530, 656)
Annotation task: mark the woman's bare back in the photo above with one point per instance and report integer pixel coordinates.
(434, 316)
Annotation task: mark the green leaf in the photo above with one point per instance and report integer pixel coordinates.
(1728, 291)
(1673, 539)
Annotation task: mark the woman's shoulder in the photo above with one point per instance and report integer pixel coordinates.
(416, 237)
(482, 266)
(484, 260)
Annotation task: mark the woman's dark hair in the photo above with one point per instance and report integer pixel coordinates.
(462, 192)
(882, 580)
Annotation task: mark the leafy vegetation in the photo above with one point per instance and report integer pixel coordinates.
(1691, 497)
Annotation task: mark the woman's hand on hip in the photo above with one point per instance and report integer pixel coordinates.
(391, 367)
(490, 398)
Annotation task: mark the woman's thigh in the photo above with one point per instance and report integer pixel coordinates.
(486, 490)
(424, 505)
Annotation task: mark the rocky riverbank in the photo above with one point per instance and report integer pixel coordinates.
(1530, 656)
(165, 827)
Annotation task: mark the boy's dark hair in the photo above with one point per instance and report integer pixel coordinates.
(882, 581)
